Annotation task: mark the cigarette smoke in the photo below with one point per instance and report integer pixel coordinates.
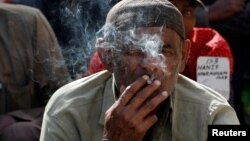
(75, 23)
(149, 44)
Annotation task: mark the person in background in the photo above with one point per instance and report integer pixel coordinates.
(75, 23)
(31, 69)
(141, 95)
(205, 42)
(233, 23)
(216, 12)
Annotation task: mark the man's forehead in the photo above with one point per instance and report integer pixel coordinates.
(149, 31)
(142, 38)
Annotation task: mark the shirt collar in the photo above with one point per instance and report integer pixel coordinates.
(109, 97)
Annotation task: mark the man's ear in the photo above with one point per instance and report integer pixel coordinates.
(185, 54)
(104, 54)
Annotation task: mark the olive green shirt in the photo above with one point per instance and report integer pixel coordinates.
(76, 111)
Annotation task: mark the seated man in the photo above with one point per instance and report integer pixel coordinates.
(31, 69)
(205, 42)
(141, 96)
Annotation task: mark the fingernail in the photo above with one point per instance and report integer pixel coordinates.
(165, 93)
(157, 82)
(145, 77)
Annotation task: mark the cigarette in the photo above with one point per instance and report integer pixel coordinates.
(151, 79)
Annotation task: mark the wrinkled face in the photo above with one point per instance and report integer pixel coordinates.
(187, 9)
(156, 52)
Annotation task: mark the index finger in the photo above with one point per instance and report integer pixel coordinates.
(132, 89)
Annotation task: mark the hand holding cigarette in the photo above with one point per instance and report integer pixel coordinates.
(131, 115)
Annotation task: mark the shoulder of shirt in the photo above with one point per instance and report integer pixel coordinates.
(78, 91)
(205, 30)
(206, 37)
(204, 33)
(190, 91)
(21, 12)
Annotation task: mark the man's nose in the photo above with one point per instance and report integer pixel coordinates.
(151, 64)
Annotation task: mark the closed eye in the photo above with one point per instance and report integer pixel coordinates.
(167, 49)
